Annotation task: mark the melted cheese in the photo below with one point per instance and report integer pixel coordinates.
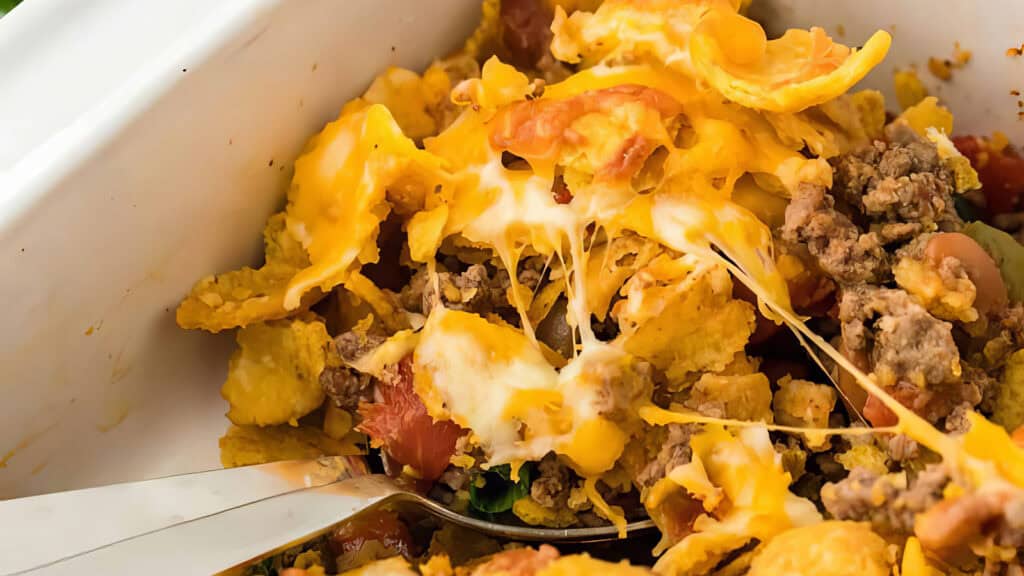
(734, 90)
(494, 381)
(337, 199)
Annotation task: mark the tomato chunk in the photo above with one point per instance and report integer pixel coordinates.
(1001, 171)
(399, 423)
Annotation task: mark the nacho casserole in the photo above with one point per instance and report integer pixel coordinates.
(636, 258)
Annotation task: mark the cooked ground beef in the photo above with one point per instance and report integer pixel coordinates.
(477, 289)
(902, 182)
(883, 500)
(352, 345)
(551, 486)
(454, 478)
(617, 388)
(904, 341)
(838, 246)
(675, 451)
(346, 387)
(1004, 335)
(883, 194)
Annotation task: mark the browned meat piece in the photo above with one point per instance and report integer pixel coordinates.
(1004, 336)
(454, 477)
(838, 246)
(352, 345)
(476, 290)
(883, 194)
(346, 387)
(883, 500)
(675, 451)
(900, 181)
(904, 341)
(551, 487)
(618, 387)
(912, 354)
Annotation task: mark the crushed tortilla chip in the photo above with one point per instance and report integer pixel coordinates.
(908, 87)
(274, 376)
(611, 264)
(680, 316)
(530, 511)
(1009, 410)
(713, 43)
(952, 300)
(757, 502)
(928, 114)
(835, 548)
(805, 404)
(739, 397)
(249, 445)
(867, 456)
(244, 296)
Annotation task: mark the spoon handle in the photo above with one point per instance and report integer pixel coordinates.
(193, 523)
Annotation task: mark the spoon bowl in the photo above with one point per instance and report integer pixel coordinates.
(208, 522)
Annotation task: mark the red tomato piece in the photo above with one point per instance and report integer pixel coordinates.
(399, 423)
(383, 526)
(1001, 173)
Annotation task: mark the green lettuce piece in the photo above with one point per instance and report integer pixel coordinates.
(498, 492)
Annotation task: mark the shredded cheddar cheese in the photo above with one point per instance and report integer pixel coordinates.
(648, 182)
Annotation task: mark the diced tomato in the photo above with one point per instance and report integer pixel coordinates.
(537, 129)
(916, 399)
(518, 561)
(399, 423)
(1001, 172)
(382, 526)
(878, 414)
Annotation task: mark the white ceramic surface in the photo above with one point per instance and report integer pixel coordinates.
(118, 190)
(108, 222)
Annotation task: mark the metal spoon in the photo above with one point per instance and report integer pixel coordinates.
(207, 522)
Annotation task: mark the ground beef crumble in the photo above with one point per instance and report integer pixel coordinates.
(887, 502)
(905, 342)
(675, 451)
(838, 246)
(344, 386)
(477, 289)
(882, 194)
(899, 182)
(552, 485)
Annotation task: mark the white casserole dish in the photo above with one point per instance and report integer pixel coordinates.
(119, 190)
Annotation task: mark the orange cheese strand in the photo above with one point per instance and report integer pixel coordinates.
(613, 514)
(658, 416)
